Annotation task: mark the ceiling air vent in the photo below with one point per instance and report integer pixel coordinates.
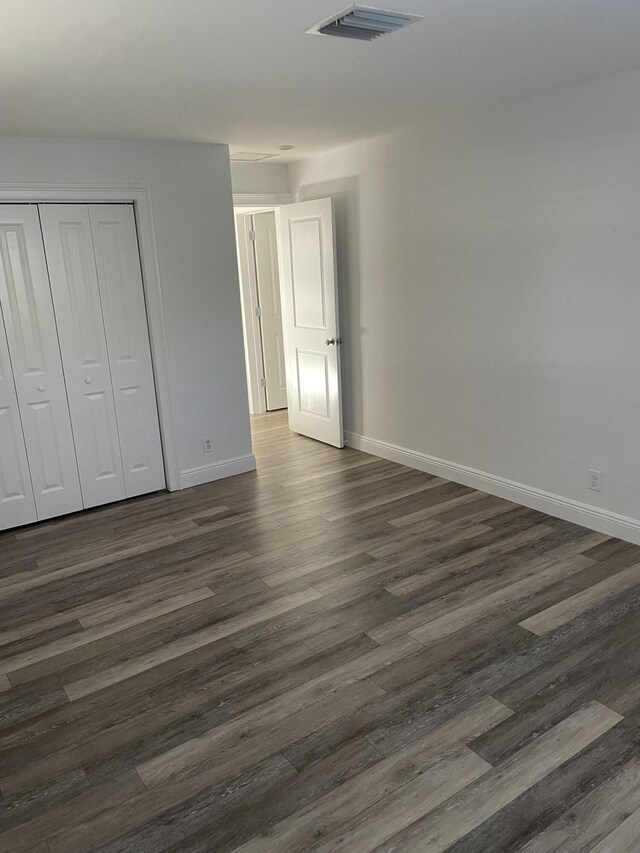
(249, 156)
(364, 23)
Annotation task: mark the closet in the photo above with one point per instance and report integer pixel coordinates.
(78, 413)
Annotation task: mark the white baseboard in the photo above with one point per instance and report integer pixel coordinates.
(586, 515)
(217, 471)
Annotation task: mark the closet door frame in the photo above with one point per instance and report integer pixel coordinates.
(140, 196)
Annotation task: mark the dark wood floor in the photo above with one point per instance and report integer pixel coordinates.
(337, 654)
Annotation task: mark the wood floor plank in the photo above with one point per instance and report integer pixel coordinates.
(311, 570)
(7, 637)
(407, 804)
(470, 598)
(499, 787)
(234, 814)
(182, 758)
(624, 839)
(23, 838)
(320, 655)
(322, 820)
(82, 687)
(151, 803)
(504, 544)
(165, 717)
(140, 639)
(393, 497)
(17, 707)
(104, 609)
(463, 616)
(10, 585)
(564, 611)
(466, 505)
(594, 817)
(415, 709)
(25, 807)
(90, 635)
(537, 808)
(414, 797)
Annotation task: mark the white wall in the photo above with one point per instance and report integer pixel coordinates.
(490, 278)
(260, 178)
(194, 231)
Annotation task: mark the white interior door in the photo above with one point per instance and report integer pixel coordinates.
(37, 367)
(76, 300)
(125, 319)
(17, 505)
(310, 320)
(268, 285)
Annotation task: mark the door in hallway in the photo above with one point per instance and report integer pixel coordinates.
(310, 320)
(268, 284)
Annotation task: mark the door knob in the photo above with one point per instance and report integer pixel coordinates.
(88, 380)
(41, 389)
(333, 342)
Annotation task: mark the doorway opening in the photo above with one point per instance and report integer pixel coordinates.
(256, 232)
(287, 264)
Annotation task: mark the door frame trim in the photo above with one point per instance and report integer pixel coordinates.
(252, 328)
(140, 196)
(267, 200)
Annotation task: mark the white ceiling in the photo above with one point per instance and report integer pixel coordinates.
(244, 72)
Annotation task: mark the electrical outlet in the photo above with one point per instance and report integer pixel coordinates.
(595, 480)
(207, 444)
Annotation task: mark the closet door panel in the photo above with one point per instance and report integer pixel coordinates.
(17, 504)
(76, 298)
(35, 357)
(125, 318)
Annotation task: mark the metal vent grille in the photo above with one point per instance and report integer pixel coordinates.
(363, 23)
(249, 156)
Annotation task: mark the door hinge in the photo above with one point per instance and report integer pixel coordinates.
(263, 383)
(252, 236)
(258, 311)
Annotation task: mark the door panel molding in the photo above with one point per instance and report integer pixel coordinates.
(305, 251)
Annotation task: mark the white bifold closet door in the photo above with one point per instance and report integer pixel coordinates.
(76, 297)
(125, 320)
(96, 283)
(17, 504)
(32, 337)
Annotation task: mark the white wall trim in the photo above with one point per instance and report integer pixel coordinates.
(217, 471)
(261, 199)
(594, 518)
(140, 196)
